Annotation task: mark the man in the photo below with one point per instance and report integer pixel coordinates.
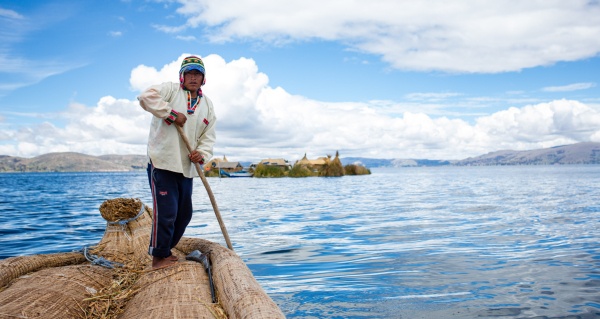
(170, 165)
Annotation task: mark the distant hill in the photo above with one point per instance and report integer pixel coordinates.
(378, 162)
(580, 153)
(72, 162)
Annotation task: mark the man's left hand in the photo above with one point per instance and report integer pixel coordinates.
(196, 157)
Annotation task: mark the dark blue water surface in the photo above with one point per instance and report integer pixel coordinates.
(445, 242)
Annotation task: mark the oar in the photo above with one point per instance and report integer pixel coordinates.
(208, 190)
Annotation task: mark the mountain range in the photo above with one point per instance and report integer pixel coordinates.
(73, 162)
(580, 153)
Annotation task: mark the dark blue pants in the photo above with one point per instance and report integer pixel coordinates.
(172, 209)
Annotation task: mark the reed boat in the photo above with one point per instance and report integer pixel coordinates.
(114, 279)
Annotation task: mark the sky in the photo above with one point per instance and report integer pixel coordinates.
(393, 79)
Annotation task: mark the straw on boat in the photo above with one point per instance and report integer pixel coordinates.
(68, 285)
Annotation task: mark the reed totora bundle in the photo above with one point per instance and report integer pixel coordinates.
(114, 279)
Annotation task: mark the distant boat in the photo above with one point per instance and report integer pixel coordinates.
(236, 174)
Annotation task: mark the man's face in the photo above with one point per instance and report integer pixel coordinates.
(192, 80)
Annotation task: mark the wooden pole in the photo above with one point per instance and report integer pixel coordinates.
(207, 186)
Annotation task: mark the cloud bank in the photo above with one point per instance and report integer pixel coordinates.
(468, 36)
(256, 121)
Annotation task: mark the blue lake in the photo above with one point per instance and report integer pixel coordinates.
(438, 242)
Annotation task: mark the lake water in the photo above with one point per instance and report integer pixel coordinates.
(439, 242)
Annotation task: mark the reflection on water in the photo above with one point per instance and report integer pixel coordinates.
(401, 243)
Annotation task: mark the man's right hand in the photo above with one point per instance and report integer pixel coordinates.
(180, 119)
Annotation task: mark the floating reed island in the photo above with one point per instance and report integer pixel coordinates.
(114, 279)
(278, 167)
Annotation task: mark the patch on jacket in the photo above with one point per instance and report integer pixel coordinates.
(205, 121)
(163, 193)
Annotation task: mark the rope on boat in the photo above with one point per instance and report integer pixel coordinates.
(100, 261)
(204, 259)
(124, 222)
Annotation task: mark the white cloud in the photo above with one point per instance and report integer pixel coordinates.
(256, 121)
(186, 38)
(17, 71)
(570, 87)
(115, 34)
(541, 125)
(168, 29)
(431, 96)
(10, 14)
(112, 126)
(143, 76)
(452, 36)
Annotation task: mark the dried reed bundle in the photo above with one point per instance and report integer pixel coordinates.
(53, 292)
(122, 242)
(238, 291)
(85, 291)
(110, 301)
(11, 268)
(61, 287)
(117, 209)
(125, 241)
(179, 291)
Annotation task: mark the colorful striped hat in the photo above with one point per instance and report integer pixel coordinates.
(191, 63)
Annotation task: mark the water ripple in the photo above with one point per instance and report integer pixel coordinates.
(404, 243)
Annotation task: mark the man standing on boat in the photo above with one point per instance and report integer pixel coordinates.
(170, 166)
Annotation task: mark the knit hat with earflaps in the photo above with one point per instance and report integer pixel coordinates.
(191, 63)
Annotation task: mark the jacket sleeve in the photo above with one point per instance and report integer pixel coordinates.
(207, 138)
(156, 100)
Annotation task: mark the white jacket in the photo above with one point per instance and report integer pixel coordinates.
(166, 149)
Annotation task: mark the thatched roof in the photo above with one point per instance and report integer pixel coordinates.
(314, 162)
(275, 161)
(213, 162)
(227, 165)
